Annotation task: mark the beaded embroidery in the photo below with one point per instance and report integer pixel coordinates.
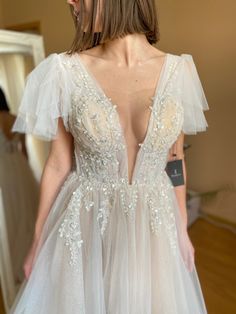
(161, 211)
(93, 121)
(70, 228)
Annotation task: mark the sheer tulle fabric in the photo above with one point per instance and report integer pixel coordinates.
(131, 265)
(192, 97)
(46, 98)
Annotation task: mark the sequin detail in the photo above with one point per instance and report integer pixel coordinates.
(100, 152)
(70, 229)
(161, 212)
(156, 196)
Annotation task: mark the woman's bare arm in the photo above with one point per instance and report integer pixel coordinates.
(57, 167)
(180, 190)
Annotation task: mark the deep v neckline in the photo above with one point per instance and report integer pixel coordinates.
(113, 105)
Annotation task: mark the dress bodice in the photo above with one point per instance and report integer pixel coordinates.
(100, 150)
(100, 146)
(61, 86)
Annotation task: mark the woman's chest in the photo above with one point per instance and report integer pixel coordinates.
(97, 123)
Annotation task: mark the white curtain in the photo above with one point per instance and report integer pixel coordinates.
(12, 78)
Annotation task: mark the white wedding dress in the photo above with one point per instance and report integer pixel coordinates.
(110, 246)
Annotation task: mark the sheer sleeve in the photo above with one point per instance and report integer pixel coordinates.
(192, 97)
(46, 97)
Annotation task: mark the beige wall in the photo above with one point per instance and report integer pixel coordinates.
(207, 30)
(54, 16)
(202, 28)
(1, 15)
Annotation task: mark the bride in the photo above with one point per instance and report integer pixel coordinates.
(111, 232)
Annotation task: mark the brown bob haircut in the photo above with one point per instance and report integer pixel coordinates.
(118, 18)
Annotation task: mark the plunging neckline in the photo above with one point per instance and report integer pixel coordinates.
(113, 105)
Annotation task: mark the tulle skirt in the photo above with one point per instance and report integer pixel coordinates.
(114, 264)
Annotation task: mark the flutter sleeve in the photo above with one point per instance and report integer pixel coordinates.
(46, 97)
(192, 97)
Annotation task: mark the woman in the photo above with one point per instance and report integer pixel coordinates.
(111, 234)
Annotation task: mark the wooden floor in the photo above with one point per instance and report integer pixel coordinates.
(216, 265)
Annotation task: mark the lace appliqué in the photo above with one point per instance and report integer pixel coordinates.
(161, 212)
(70, 229)
(103, 214)
(105, 205)
(129, 197)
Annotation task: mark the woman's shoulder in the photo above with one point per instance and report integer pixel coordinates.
(56, 66)
(185, 65)
(54, 60)
(181, 58)
(47, 65)
(66, 58)
(46, 97)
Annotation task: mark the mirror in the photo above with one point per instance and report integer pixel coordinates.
(21, 160)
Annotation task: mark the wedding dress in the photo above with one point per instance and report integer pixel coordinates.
(110, 246)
